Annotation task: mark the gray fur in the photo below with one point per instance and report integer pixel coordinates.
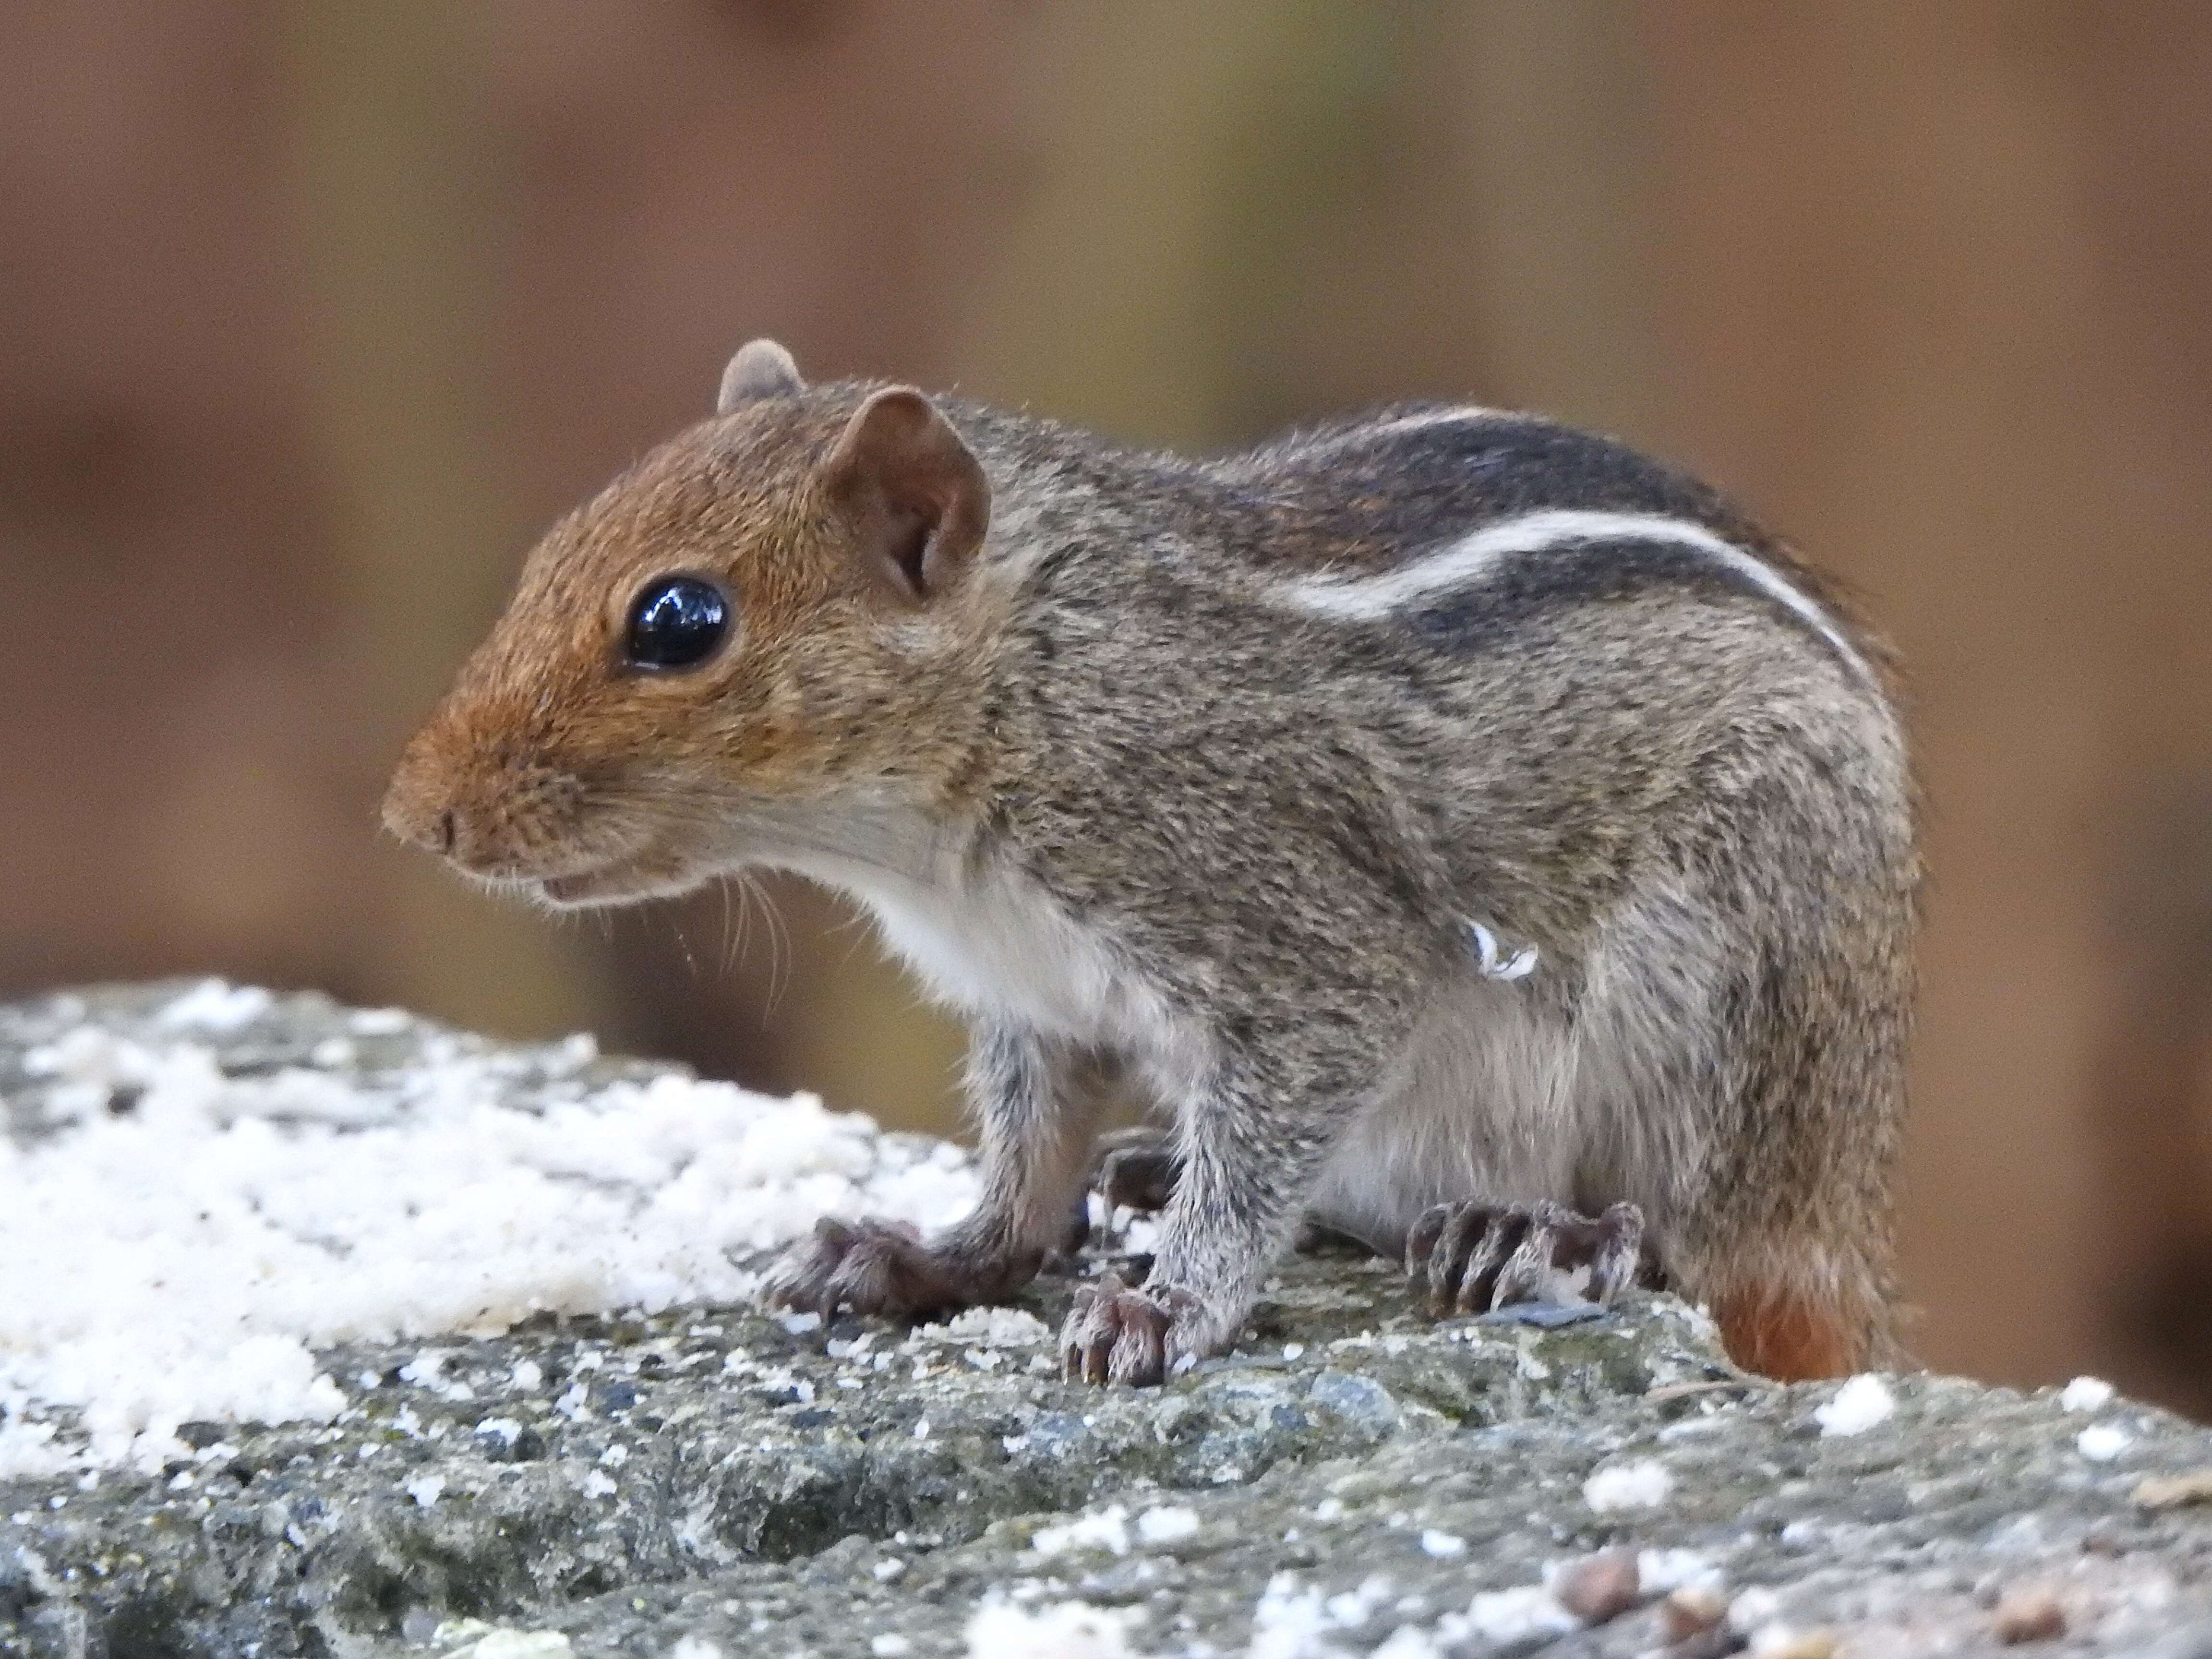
(760, 368)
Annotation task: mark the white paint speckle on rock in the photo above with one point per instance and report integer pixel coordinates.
(1857, 1406)
(991, 1327)
(28, 1451)
(1167, 1524)
(516, 1644)
(1107, 1530)
(2100, 1443)
(1642, 1484)
(1058, 1630)
(1659, 1572)
(2086, 1394)
(184, 1259)
(1753, 1609)
(1519, 1614)
(213, 1005)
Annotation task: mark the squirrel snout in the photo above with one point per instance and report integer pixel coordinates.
(448, 830)
(489, 814)
(422, 808)
(428, 824)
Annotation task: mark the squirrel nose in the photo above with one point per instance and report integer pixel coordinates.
(431, 825)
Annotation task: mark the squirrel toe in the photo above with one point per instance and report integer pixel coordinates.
(870, 1267)
(1470, 1257)
(1114, 1334)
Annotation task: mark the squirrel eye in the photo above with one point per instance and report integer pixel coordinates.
(676, 621)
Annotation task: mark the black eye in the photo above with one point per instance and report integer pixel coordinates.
(676, 621)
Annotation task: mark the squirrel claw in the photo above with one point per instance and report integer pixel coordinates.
(1116, 1334)
(1469, 1257)
(869, 1267)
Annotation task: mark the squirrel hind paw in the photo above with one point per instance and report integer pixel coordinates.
(1469, 1257)
(870, 1267)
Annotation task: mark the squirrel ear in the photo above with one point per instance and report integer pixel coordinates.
(762, 368)
(915, 493)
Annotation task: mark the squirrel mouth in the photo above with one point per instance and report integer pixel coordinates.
(582, 887)
(569, 889)
(610, 883)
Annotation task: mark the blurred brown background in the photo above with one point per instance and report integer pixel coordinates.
(312, 314)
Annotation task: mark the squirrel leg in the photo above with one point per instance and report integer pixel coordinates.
(1244, 1165)
(1136, 1169)
(1039, 1105)
(1469, 1257)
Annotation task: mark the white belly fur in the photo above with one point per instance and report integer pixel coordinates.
(1491, 1099)
(1481, 1107)
(998, 948)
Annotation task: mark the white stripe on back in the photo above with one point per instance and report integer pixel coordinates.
(1472, 558)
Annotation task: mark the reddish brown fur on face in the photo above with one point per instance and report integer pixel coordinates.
(550, 755)
(1784, 1334)
(543, 718)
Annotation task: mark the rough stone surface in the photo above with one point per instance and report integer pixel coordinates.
(1352, 1479)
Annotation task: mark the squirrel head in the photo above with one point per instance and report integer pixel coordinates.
(769, 622)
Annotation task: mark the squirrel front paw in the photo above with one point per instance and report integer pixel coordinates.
(1115, 1333)
(880, 1267)
(1469, 1257)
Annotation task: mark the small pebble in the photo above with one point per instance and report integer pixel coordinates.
(1692, 1611)
(1794, 1644)
(2172, 1492)
(2030, 1615)
(1600, 1588)
(1718, 1643)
